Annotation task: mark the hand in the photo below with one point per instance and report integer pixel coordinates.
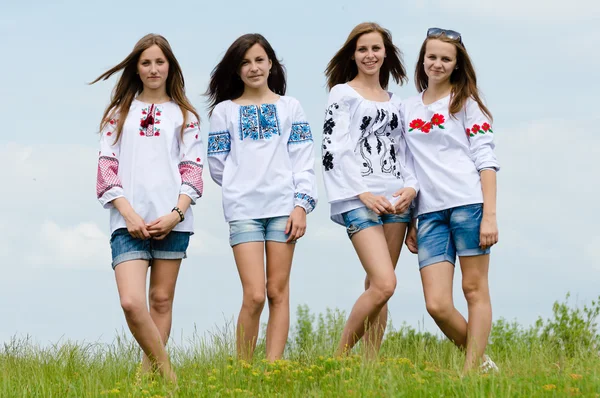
(136, 226)
(488, 231)
(406, 197)
(296, 224)
(411, 238)
(161, 227)
(377, 203)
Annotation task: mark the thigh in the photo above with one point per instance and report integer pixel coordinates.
(125, 247)
(172, 247)
(279, 263)
(250, 262)
(434, 239)
(394, 237)
(437, 282)
(465, 222)
(371, 246)
(275, 230)
(244, 231)
(360, 219)
(475, 270)
(131, 280)
(163, 276)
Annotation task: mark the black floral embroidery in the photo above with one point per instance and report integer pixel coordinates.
(394, 122)
(328, 161)
(393, 153)
(368, 147)
(365, 123)
(379, 145)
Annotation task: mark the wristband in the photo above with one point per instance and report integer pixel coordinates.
(181, 217)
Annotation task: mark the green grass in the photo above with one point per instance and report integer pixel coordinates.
(554, 358)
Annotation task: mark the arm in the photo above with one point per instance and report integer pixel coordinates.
(488, 234)
(301, 152)
(109, 189)
(341, 172)
(219, 144)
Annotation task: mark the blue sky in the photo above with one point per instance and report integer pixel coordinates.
(536, 63)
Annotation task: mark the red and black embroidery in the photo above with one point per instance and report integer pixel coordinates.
(148, 123)
(191, 175)
(108, 178)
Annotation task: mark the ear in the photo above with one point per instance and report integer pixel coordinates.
(270, 64)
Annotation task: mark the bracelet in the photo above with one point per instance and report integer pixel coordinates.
(181, 217)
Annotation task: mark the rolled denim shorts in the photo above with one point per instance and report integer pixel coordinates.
(363, 218)
(258, 230)
(441, 235)
(125, 247)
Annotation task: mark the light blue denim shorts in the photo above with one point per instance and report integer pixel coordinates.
(125, 247)
(441, 235)
(363, 218)
(258, 230)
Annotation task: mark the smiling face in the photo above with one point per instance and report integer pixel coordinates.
(153, 68)
(369, 53)
(439, 61)
(255, 67)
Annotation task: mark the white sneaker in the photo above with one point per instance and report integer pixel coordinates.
(488, 365)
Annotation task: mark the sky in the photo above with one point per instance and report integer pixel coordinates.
(536, 65)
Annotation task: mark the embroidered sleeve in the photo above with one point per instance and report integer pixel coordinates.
(191, 165)
(478, 129)
(341, 170)
(219, 144)
(108, 183)
(301, 152)
(405, 157)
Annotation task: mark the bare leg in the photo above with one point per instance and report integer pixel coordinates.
(279, 265)
(163, 277)
(394, 236)
(131, 283)
(437, 287)
(477, 293)
(249, 258)
(371, 247)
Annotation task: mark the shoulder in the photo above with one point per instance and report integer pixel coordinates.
(222, 108)
(288, 102)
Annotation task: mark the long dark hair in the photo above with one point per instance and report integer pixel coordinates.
(225, 82)
(463, 79)
(342, 68)
(130, 84)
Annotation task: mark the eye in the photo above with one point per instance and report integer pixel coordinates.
(446, 59)
(362, 49)
(376, 48)
(244, 62)
(431, 57)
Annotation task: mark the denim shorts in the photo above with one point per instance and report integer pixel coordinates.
(125, 247)
(258, 230)
(441, 235)
(363, 218)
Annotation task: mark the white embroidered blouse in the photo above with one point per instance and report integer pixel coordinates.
(263, 158)
(151, 164)
(364, 150)
(449, 152)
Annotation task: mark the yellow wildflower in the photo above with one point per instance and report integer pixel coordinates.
(575, 376)
(549, 387)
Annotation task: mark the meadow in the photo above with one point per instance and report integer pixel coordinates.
(555, 357)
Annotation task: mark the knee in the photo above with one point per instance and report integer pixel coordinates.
(254, 301)
(439, 308)
(132, 307)
(160, 301)
(383, 289)
(476, 292)
(277, 293)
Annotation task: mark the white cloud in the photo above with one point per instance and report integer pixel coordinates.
(83, 246)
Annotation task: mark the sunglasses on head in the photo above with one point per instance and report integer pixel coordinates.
(451, 34)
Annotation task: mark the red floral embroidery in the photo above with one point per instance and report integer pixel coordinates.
(148, 123)
(142, 133)
(112, 121)
(426, 128)
(416, 124)
(191, 125)
(484, 128)
(468, 131)
(157, 134)
(475, 128)
(438, 120)
(109, 133)
(196, 136)
(144, 112)
(157, 113)
(198, 160)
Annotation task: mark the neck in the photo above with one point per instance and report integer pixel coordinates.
(439, 90)
(257, 94)
(154, 96)
(368, 81)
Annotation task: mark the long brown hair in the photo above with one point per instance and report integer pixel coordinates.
(463, 79)
(225, 82)
(342, 68)
(130, 84)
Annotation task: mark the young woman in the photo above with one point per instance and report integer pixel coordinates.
(149, 173)
(367, 172)
(260, 151)
(449, 134)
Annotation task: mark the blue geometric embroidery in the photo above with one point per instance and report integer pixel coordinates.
(219, 142)
(308, 199)
(258, 122)
(300, 133)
